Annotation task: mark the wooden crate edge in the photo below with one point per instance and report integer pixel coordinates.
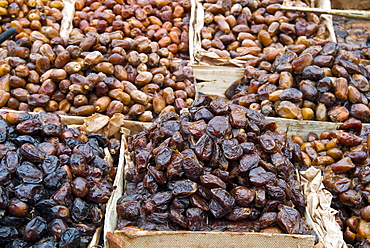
(212, 239)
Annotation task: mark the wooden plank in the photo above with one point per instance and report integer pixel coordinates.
(290, 126)
(214, 80)
(217, 73)
(303, 127)
(192, 30)
(361, 14)
(110, 221)
(182, 239)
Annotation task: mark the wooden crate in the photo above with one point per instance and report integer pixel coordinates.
(140, 238)
(202, 57)
(354, 32)
(354, 4)
(66, 28)
(180, 239)
(213, 78)
(78, 122)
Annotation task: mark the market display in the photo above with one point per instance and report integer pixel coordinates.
(343, 156)
(324, 83)
(255, 29)
(205, 164)
(219, 167)
(54, 182)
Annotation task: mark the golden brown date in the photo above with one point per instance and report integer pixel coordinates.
(102, 103)
(139, 97)
(114, 107)
(143, 78)
(121, 96)
(85, 110)
(62, 59)
(52, 106)
(20, 94)
(105, 67)
(47, 88)
(80, 100)
(136, 109)
(333, 93)
(4, 97)
(17, 82)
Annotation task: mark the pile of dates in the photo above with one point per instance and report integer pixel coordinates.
(324, 82)
(257, 28)
(82, 76)
(219, 167)
(356, 33)
(165, 22)
(351, 31)
(343, 156)
(54, 182)
(31, 17)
